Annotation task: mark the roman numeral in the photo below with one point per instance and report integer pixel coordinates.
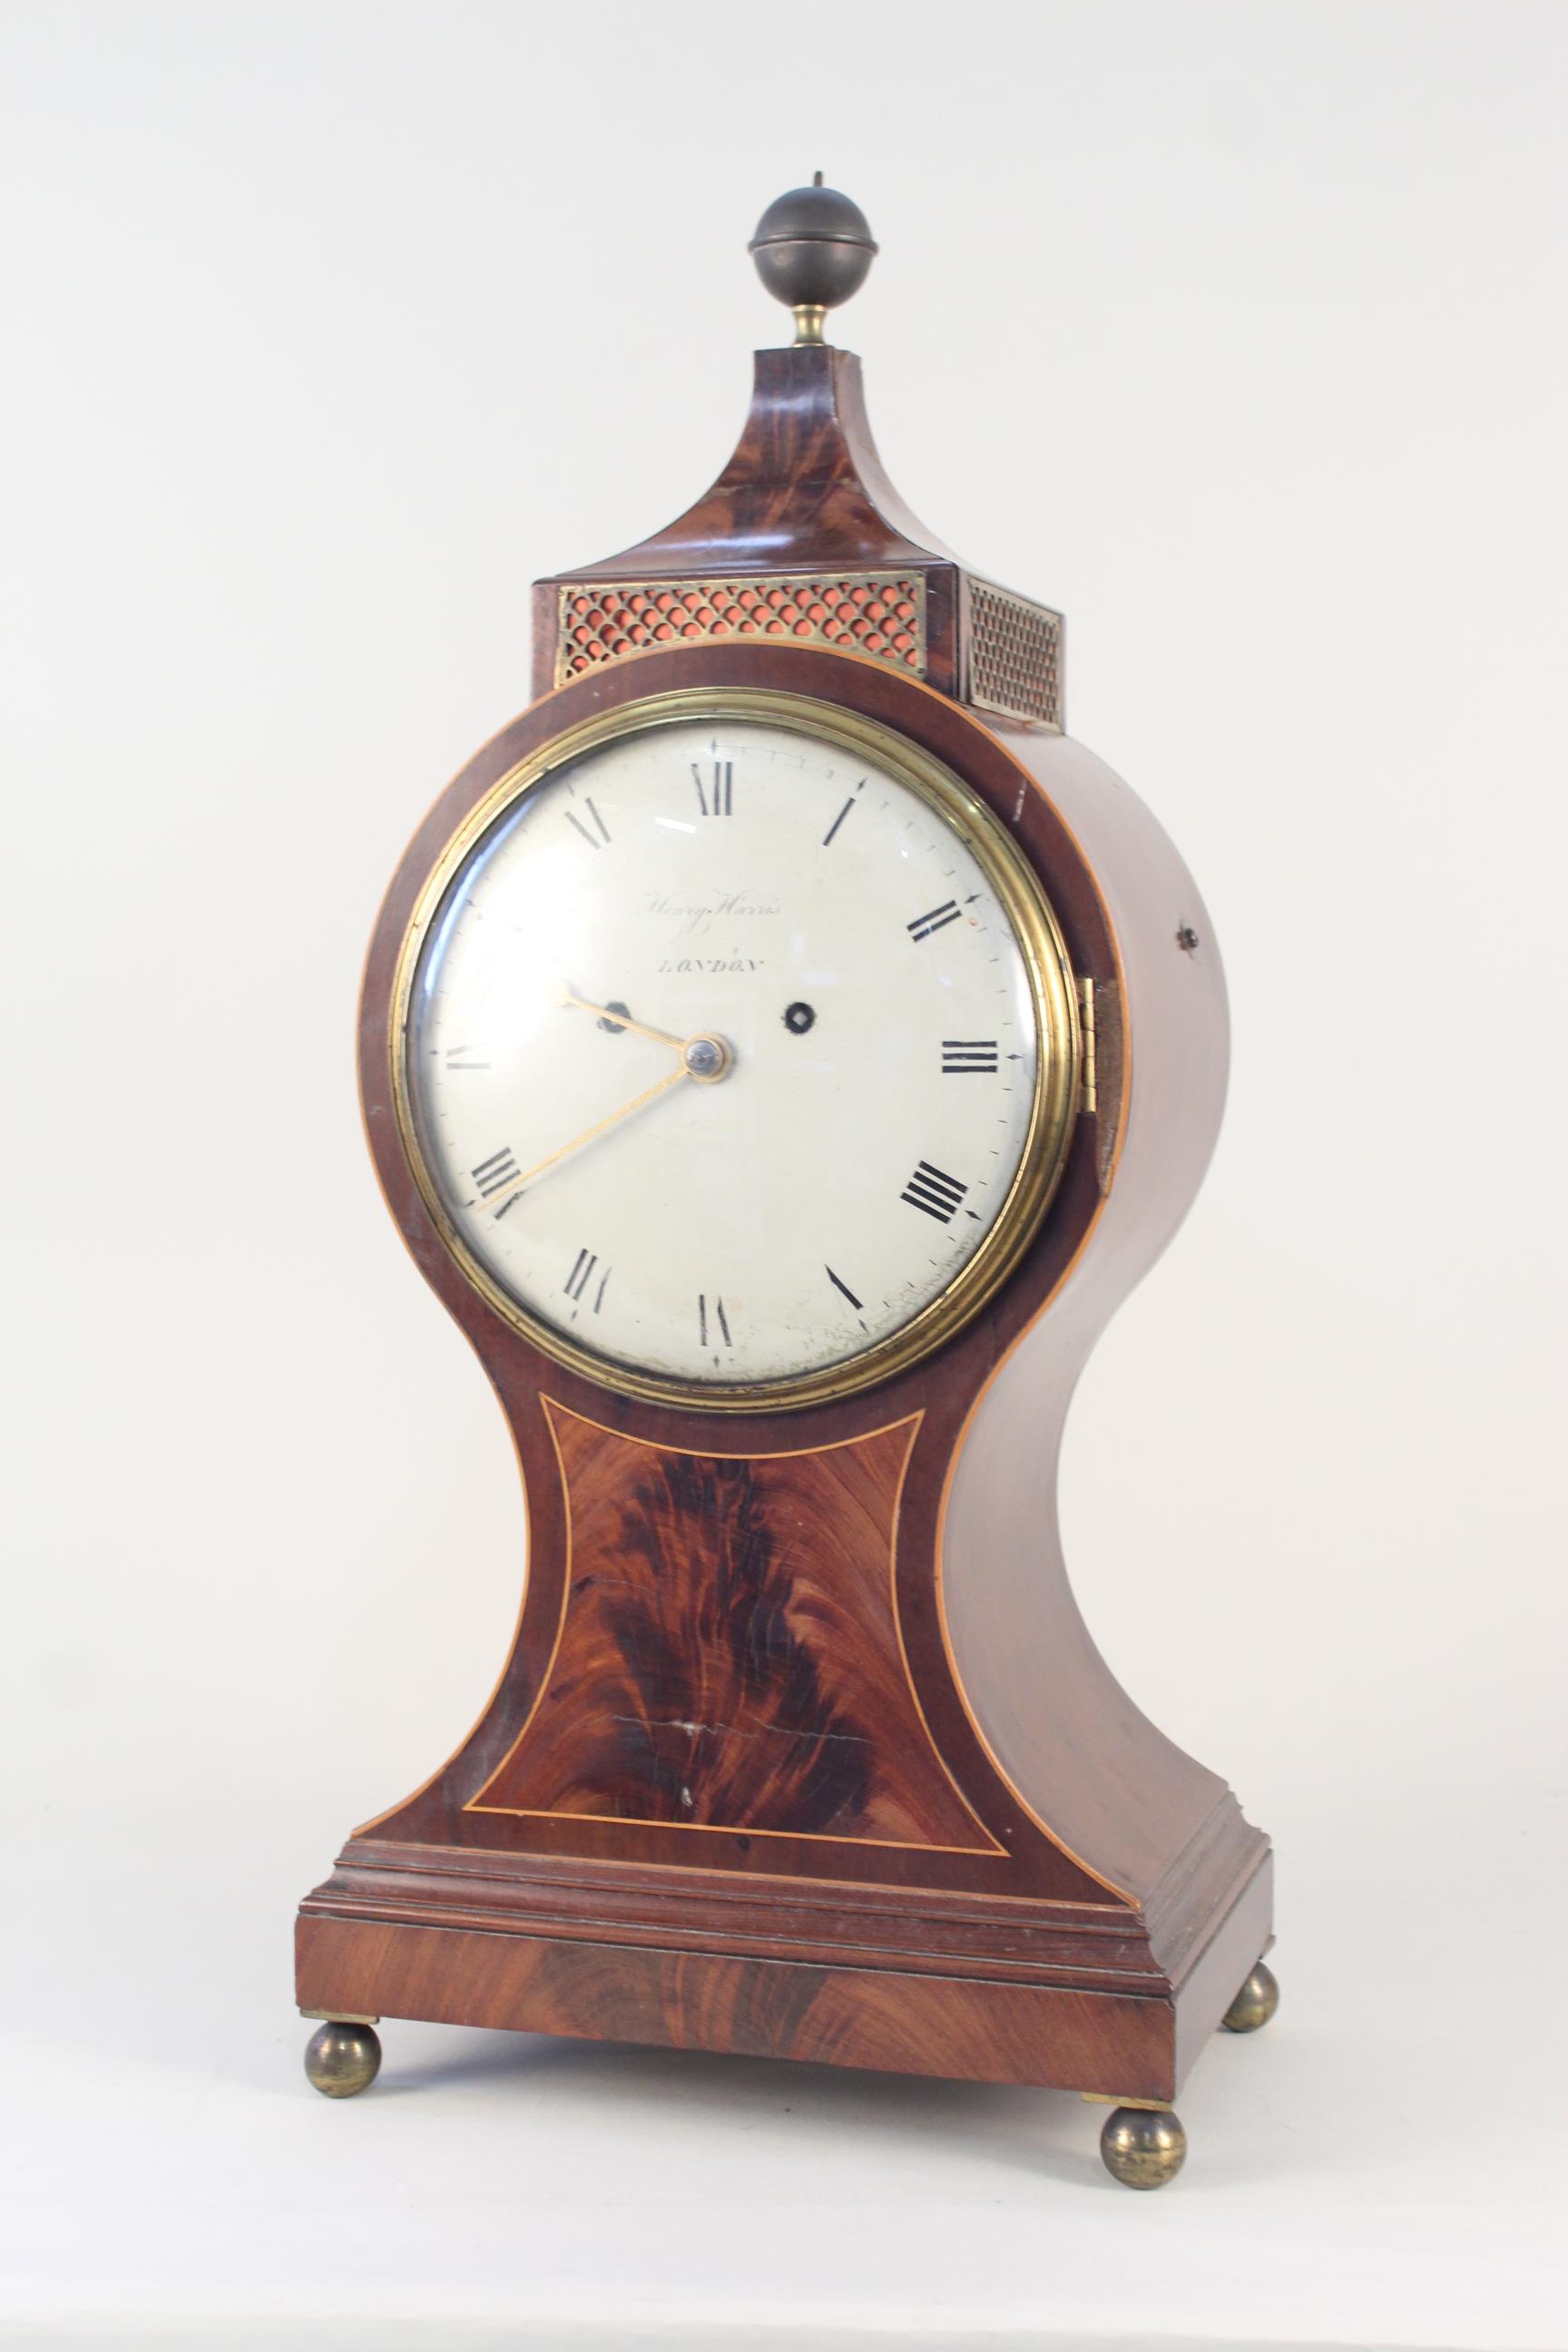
(843, 1286)
(924, 925)
(493, 1175)
(598, 819)
(718, 1320)
(465, 1057)
(962, 1053)
(577, 1280)
(721, 786)
(937, 1194)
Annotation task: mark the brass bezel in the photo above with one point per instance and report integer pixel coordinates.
(1052, 989)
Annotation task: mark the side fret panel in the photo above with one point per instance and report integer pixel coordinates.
(1012, 654)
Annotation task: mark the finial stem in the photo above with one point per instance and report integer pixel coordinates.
(810, 320)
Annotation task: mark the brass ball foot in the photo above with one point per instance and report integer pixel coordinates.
(1143, 2146)
(342, 2059)
(1254, 2004)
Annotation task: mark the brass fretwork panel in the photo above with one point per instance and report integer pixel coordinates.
(1014, 656)
(881, 614)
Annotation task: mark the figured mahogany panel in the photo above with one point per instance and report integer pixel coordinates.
(728, 1653)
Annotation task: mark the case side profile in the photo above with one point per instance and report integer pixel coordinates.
(1150, 1818)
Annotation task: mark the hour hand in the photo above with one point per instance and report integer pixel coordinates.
(612, 1015)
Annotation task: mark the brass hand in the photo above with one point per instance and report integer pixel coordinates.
(499, 1200)
(565, 995)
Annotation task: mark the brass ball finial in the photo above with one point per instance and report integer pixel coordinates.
(813, 248)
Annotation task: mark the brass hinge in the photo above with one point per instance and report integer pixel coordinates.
(1088, 1096)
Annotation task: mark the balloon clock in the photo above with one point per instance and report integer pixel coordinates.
(783, 1048)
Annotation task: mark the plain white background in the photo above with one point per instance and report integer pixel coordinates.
(1234, 330)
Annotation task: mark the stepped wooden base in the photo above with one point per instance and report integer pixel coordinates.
(966, 1988)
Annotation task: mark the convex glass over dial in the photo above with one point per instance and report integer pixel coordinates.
(738, 1049)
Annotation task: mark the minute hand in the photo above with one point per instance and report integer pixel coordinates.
(498, 1200)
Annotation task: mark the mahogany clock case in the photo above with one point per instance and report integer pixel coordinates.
(802, 1748)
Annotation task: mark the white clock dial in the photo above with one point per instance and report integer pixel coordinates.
(723, 1051)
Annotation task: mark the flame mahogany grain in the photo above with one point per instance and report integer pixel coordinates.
(728, 1655)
